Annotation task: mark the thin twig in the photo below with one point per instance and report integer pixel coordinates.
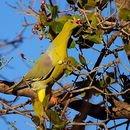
(6, 63)
(18, 112)
(99, 124)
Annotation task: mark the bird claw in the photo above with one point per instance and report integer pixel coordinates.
(54, 100)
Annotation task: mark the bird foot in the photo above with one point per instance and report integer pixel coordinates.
(54, 100)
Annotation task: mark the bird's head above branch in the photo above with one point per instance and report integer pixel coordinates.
(72, 23)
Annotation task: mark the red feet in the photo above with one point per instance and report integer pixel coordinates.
(54, 100)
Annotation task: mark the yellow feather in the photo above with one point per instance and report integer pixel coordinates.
(41, 94)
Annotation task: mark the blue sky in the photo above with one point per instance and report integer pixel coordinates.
(10, 24)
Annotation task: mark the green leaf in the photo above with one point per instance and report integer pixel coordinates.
(53, 116)
(54, 11)
(83, 94)
(91, 4)
(87, 4)
(102, 4)
(71, 43)
(82, 59)
(49, 7)
(73, 62)
(56, 26)
(93, 38)
(102, 84)
(78, 32)
(42, 18)
(72, 2)
(93, 19)
(36, 120)
(59, 126)
(111, 74)
(127, 47)
(99, 32)
(0, 63)
(124, 14)
(108, 80)
(63, 19)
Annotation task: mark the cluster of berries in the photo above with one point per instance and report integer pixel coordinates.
(40, 26)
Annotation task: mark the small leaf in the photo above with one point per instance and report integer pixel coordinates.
(59, 126)
(68, 71)
(53, 116)
(0, 63)
(49, 7)
(102, 84)
(102, 4)
(110, 74)
(36, 120)
(99, 32)
(63, 19)
(78, 32)
(108, 80)
(93, 38)
(72, 2)
(87, 4)
(91, 4)
(83, 94)
(71, 43)
(127, 47)
(56, 26)
(54, 11)
(82, 59)
(93, 18)
(73, 62)
(124, 14)
(42, 19)
(84, 43)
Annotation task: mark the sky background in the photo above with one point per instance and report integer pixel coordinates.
(10, 25)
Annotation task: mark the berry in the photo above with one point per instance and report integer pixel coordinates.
(79, 21)
(40, 36)
(42, 7)
(36, 26)
(49, 19)
(40, 10)
(43, 2)
(34, 31)
(41, 23)
(22, 55)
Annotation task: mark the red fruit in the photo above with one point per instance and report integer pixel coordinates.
(49, 19)
(22, 55)
(79, 21)
(42, 7)
(34, 31)
(36, 26)
(40, 23)
(43, 2)
(40, 36)
(40, 10)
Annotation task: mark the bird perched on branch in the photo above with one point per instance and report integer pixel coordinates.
(48, 68)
